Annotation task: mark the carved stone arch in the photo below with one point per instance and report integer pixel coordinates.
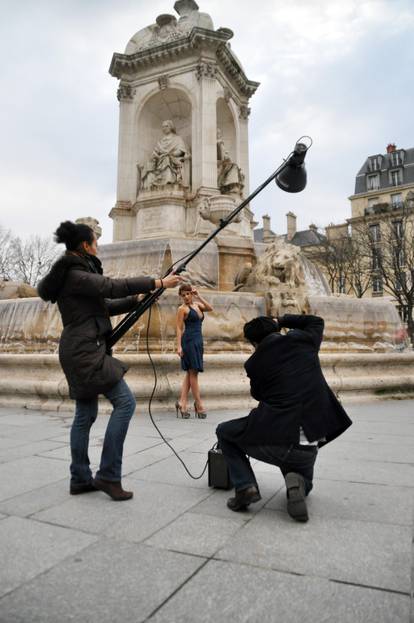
(174, 103)
(227, 123)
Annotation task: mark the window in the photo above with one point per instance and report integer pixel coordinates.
(373, 182)
(398, 229)
(400, 282)
(377, 285)
(395, 158)
(375, 233)
(399, 256)
(396, 177)
(372, 201)
(374, 164)
(396, 200)
(341, 285)
(375, 260)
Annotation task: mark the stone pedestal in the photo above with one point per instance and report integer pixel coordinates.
(160, 213)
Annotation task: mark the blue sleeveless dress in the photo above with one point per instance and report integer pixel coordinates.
(192, 343)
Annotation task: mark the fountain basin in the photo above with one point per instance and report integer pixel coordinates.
(36, 381)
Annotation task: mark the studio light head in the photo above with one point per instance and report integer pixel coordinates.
(292, 178)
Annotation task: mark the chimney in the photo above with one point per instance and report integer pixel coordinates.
(313, 227)
(267, 236)
(391, 147)
(291, 225)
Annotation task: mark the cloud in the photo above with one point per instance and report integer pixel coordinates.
(339, 71)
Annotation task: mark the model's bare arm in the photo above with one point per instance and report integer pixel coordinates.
(179, 327)
(202, 303)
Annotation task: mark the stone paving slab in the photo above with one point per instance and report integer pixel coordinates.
(109, 582)
(375, 472)
(196, 534)
(34, 432)
(176, 553)
(154, 506)
(28, 449)
(243, 594)
(29, 548)
(170, 471)
(350, 500)
(37, 499)
(22, 475)
(372, 554)
(390, 452)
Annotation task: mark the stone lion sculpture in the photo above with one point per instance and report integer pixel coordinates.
(16, 290)
(279, 275)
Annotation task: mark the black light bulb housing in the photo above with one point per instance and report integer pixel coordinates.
(292, 178)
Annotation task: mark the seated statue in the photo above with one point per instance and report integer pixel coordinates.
(229, 176)
(167, 160)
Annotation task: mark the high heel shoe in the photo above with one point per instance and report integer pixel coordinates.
(200, 414)
(184, 414)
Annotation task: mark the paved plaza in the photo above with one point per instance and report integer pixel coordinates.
(176, 554)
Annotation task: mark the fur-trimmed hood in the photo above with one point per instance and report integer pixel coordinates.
(50, 286)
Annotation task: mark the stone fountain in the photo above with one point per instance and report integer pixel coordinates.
(182, 166)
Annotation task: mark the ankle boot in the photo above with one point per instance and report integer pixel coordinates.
(113, 489)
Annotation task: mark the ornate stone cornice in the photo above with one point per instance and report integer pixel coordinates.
(232, 67)
(129, 64)
(125, 92)
(244, 112)
(206, 70)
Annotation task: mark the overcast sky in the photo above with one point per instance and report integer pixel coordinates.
(338, 70)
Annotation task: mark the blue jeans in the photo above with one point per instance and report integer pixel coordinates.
(86, 412)
(288, 457)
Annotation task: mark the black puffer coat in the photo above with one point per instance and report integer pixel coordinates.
(86, 299)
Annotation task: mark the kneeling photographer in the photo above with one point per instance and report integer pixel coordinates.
(297, 411)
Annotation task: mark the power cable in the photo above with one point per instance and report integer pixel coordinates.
(151, 399)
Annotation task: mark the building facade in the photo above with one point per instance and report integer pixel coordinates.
(382, 206)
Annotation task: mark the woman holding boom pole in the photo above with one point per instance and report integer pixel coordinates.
(86, 300)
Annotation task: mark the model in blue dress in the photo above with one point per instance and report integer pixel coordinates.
(190, 316)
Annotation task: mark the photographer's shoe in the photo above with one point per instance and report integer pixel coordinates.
(113, 489)
(295, 491)
(83, 488)
(243, 498)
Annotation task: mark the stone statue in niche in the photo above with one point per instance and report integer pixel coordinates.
(230, 178)
(167, 161)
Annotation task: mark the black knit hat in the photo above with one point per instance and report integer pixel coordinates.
(258, 328)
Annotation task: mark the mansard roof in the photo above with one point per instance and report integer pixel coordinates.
(385, 164)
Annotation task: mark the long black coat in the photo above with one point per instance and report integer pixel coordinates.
(287, 380)
(86, 300)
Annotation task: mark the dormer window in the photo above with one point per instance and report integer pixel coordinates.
(396, 177)
(396, 159)
(374, 162)
(373, 182)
